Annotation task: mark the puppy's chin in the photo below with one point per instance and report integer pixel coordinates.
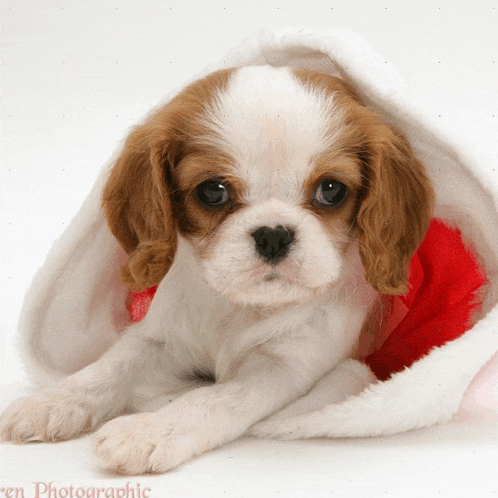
(276, 292)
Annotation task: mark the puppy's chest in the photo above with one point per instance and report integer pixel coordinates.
(200, 337)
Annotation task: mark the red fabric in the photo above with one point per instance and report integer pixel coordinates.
(443, 280)
(138, 303)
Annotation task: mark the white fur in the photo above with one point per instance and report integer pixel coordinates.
(273, 128)
(234, 268)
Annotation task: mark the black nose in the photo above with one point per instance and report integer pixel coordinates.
(273, 244)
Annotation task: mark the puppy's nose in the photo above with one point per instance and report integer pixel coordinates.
(273, 244)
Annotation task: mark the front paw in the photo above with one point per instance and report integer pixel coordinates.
(51, 415)
(144, 443)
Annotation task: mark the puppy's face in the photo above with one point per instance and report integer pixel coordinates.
(271, 174)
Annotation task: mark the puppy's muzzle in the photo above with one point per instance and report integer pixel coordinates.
(273, 244)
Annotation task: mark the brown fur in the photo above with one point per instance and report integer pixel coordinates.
(395, 210)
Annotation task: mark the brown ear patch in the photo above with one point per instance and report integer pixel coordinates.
(395, 211)
(137, 206)
(140, 198)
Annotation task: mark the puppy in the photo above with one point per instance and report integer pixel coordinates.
(273, 207)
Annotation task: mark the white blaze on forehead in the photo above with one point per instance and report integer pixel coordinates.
(273, 126)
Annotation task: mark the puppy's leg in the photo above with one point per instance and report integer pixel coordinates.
(206, 417)
(82, 401)
(349, 378)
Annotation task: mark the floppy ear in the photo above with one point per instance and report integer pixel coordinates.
(395, 209)
(138, 207)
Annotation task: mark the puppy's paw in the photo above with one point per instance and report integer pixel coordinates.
(143, 443)
(52, 415)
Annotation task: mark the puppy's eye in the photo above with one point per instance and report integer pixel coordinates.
(330, 193)
(213, 193)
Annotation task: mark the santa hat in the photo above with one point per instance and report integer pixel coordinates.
(76, 305)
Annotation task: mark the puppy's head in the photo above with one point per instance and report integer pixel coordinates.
(270, 174)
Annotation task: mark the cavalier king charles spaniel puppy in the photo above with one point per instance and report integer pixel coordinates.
(273, 208)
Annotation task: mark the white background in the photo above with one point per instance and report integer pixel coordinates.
(77, 74)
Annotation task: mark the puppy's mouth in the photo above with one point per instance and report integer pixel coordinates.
(285, 276)
(271, 276)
